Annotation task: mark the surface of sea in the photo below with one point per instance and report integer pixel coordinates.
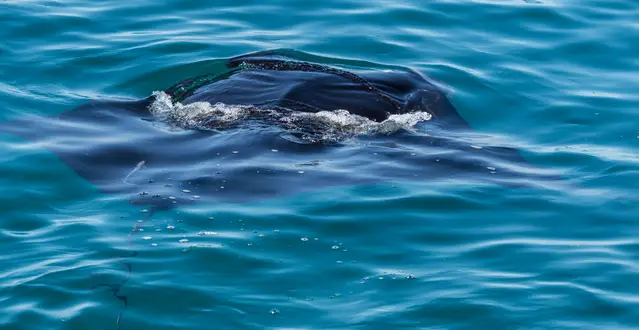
(558, 80)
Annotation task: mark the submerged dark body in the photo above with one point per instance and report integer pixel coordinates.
(104, 141)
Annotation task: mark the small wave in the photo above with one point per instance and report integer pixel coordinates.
(323, 126)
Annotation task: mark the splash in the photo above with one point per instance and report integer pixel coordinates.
(319, 127)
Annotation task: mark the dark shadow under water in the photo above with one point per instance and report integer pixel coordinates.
(262, 152)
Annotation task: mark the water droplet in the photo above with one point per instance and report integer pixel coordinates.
(274, 311)
(304, 239)
(146, 238)
(250, 244)
(335, 247)
(141, 229)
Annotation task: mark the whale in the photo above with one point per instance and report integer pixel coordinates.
(271, 124)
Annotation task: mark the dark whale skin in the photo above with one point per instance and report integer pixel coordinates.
(104, 141)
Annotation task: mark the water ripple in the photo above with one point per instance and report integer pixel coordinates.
(555, 79)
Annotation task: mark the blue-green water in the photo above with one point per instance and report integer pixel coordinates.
(556, 79)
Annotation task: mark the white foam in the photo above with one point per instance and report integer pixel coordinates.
(195, 115)
(324, 125)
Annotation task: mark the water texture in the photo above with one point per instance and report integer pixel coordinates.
(555, 79)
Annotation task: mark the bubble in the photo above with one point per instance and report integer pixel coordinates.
(154, 244)
(170, 227)
(300, 172)
(274, 311)
(236, 152)
(196, 196)
(146, 238)
(335, 247)
(186, 191)
(274, 150)
(304, 239)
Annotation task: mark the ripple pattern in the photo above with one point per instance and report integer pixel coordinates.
(555, 79)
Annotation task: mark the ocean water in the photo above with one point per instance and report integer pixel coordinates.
(557, 80)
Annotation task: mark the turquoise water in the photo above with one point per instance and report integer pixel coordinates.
(557, 80)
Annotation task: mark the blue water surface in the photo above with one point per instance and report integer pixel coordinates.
(555, 79)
